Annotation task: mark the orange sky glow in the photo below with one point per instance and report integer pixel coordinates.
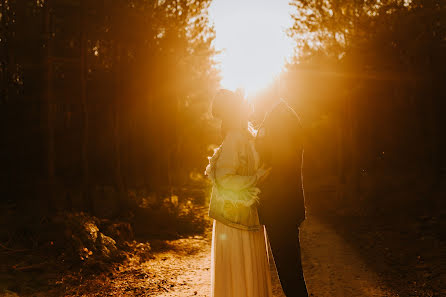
(251, 35)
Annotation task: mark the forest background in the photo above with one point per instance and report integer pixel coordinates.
(104, 115)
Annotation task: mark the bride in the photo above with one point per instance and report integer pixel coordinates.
(239, 255)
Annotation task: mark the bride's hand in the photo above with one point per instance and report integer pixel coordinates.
(262, 174)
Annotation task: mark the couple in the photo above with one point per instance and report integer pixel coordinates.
(257, 185)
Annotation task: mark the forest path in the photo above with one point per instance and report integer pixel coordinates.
(331, 267)
(182, 268)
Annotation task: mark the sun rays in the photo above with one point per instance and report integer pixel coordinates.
(251, 35)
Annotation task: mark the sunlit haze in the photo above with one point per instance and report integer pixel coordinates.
(251, 35)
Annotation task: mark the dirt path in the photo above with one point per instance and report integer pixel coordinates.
(331, 268)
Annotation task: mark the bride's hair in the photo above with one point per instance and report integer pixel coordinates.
(230, 108)
(222, 101)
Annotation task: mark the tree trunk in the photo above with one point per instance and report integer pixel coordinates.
(341, 151)
(49, 104)
(117, 109)
(87, 203)
(353, 168)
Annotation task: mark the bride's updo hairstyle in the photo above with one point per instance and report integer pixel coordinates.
(230, 108)
(225, 103)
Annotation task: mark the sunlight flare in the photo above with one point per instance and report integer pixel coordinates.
(251, 35)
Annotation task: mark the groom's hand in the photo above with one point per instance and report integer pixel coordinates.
(263, 174)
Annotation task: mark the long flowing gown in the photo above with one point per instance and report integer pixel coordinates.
(240, 266)
(239, 259)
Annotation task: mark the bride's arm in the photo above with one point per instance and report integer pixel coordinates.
(227, 165)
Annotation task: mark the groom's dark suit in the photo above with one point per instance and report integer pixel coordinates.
(282, 210)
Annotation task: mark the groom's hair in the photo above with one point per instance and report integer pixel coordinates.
(266, 99)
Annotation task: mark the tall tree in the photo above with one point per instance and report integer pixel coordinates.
(385, 54)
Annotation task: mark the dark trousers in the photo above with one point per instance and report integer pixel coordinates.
(284, 241)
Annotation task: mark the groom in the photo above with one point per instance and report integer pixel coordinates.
(282, 210)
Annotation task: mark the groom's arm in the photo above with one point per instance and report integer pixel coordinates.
(263, 145)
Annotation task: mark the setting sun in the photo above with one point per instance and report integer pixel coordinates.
(251, 35)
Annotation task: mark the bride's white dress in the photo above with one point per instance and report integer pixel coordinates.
(240, 265)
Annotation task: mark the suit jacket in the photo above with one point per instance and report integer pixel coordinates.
(279, 143)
